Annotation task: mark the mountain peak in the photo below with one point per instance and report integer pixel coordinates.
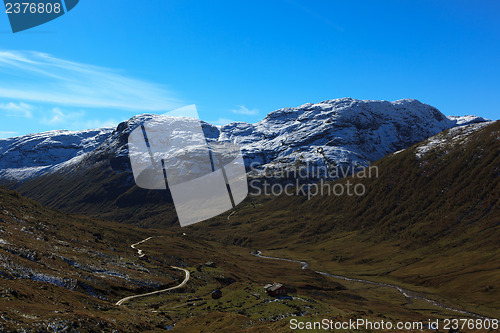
(467, 119)
(26, 156)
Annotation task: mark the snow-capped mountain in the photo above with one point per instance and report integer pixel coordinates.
(343, 131)
(466, 120)
(34, 154)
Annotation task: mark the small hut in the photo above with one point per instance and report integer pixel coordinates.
(276, 289)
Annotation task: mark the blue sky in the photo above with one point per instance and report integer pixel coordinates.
(105, 61)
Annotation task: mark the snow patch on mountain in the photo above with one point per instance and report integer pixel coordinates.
(455, 136)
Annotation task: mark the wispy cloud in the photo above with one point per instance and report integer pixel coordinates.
(221, 121)
(39, 77)
(75, 120)
(6, 134)
(100, 123)
(58, 116)
(17, 109)
(246, 111)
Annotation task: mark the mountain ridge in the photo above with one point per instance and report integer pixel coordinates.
(344, 132)
(349, 124)
(30, 155)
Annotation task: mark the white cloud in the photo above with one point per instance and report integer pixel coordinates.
(6, 134)
(99, 123)
(244, 110)
(17, 110)
(39, 77)
(221, 121)
(58, 116)
(75, 120)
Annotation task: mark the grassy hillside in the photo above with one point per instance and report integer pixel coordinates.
(61, 272)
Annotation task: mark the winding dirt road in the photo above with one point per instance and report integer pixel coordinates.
(141, 254)
(406, 293)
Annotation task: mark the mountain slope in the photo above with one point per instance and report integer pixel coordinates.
(63, 273)
(60, 271)
(100, 183)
